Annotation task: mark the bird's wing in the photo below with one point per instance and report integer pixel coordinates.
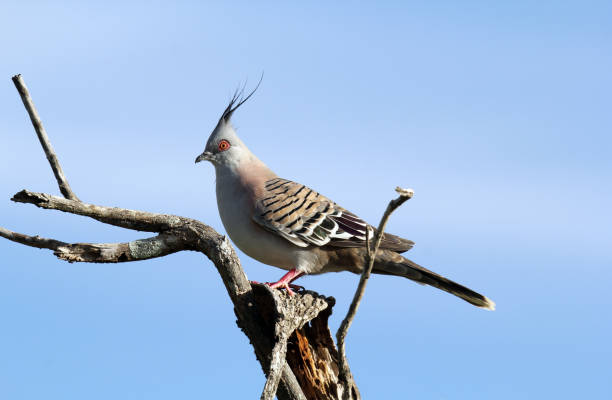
(305, 217)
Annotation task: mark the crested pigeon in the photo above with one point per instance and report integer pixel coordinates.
(290, 226)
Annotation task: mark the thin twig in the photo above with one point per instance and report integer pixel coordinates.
(345, 373)
(43, 138)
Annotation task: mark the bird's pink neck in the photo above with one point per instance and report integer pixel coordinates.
(254, 175)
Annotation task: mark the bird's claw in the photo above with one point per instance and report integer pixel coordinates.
(285, 282)
(284, 285)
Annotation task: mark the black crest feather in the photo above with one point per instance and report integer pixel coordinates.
(238, 99)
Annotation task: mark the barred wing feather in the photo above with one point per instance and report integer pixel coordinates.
(305, 217)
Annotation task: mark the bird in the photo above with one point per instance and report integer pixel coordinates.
(288, 225)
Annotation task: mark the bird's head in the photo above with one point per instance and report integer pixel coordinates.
(224, 147)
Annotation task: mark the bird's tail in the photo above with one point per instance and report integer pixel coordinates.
(390, 263)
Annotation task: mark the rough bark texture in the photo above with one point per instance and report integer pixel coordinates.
(289, 334)
(313, 357)
(281, 315)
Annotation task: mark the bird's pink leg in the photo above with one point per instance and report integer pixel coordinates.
(285, 281)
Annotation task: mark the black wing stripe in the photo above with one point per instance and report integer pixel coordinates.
(312, 203)
(273, 182)
(273, 202)
(351, 218)
(285, 206)
(292, 211)
(279, 185)
(289, 225)
(308, 194)
(298, 192)
(352, 231)
(348, 223)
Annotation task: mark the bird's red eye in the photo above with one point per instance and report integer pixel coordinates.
(224, 145)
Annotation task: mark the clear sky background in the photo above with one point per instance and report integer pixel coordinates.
(497, 114)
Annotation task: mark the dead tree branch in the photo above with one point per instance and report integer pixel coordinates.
(290, 334)
(345, 373)
(44, 139)
(121, 217)
(136, 250)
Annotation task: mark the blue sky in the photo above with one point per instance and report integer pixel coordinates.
(496, 114)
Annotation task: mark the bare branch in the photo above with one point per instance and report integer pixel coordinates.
(32, 241)
(137, 250)
(121, 217)
(276, 368)
(345, 373)
(43, 138)
(142, 249)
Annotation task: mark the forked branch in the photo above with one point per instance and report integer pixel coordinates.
(290, 334)
(174, 234)
(269, 336)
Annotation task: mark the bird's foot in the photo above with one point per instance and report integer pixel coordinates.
(289, 287)
(285, 282)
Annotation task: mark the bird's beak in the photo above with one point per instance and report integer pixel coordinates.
(207, 155)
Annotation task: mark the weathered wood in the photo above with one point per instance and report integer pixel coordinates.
(121, 217)
(311, 353)
(43, 138)
(313, 357)
(142, 249)
(289, 334)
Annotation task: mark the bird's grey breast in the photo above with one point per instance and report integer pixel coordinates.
(236, 206)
